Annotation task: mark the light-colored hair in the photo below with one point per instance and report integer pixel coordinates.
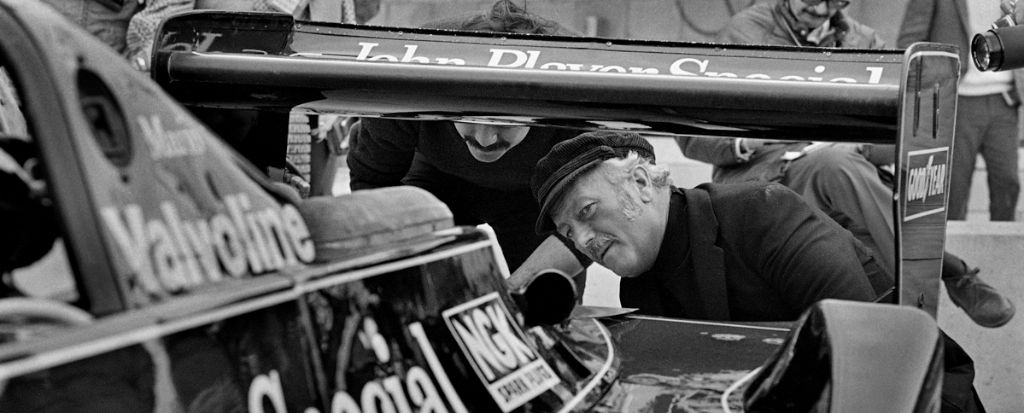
(619, 169)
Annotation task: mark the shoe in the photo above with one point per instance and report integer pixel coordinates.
(980, 301)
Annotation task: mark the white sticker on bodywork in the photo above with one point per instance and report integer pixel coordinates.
(496, 347)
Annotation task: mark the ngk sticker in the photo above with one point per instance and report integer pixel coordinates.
(926, 182)
(512, 372)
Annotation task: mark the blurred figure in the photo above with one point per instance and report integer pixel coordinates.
(988, 106)
(820, 23)
(1010, 7)
(108, 20)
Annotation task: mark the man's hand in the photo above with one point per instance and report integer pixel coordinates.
(1009, 7)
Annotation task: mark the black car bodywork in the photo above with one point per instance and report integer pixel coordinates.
(197, 285)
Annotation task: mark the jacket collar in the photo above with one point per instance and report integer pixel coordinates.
(690, 243)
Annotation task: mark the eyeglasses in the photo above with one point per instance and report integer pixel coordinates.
(832, 4)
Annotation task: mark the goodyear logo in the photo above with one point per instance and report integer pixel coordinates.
(509, 368)
(926, 182)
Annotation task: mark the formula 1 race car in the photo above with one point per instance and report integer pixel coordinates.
(150, 264)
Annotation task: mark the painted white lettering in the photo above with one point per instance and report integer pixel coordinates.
(393, 385)
(133, 243)
(422, 391)
(199, 237)
(165, 257)
(266, 386)
(343, 403)
(677, 66)
(168, 254)
(229, 245)
(522, 59)
(420, 336)
(191, 271)
(375, 400)
(876, 74)
(365, 49)
(165, 143)
(298, 233)
(410, 55)
(244, 234)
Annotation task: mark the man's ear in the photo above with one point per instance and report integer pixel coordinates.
(641, 177)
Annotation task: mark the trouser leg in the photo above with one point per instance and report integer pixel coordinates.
(999, 150)
(841, 182)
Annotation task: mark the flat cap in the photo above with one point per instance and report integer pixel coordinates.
(568, 159)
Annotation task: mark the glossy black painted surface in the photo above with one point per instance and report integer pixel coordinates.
(671, 365)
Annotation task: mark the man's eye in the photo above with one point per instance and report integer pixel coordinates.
(585, 211)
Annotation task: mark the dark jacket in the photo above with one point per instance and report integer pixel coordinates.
(432, 155)
(751, 252)
(388, 152)
(769, 23)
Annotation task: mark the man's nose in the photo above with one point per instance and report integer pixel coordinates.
(583, 237)
(485, 136)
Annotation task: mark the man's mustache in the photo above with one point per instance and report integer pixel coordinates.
(596, 245)
(500, 144)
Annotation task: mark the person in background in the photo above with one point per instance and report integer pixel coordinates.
(988, 105)
(820, 23)
(843, 180)
(480, 170)
(1010, 8)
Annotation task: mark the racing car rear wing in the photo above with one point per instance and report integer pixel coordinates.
(908, 98)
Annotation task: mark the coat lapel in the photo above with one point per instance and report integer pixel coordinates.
(707, 258)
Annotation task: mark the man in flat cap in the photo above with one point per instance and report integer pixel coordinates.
(745, 252)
